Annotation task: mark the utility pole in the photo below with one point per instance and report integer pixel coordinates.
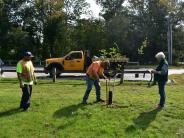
(170, 40)
(170, 18)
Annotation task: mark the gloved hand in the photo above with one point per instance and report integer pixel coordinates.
(21, 85)
(35, 82)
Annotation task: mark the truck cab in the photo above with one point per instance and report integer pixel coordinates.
(74, 61)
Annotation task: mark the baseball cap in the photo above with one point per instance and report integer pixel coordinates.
(28, 54)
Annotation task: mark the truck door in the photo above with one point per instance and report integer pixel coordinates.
(74, 61)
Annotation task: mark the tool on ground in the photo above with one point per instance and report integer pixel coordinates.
(110, 87)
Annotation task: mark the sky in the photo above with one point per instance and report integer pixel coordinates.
(96, 8)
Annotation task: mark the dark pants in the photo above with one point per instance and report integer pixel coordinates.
(26, 97)
(161, 86)
(90, 83)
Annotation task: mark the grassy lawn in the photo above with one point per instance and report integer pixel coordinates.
(56, 111)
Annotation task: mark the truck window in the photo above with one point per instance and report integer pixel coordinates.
(74, 56)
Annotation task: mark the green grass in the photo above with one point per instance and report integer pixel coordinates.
(56, 112)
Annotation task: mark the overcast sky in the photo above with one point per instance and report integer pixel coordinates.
(96, 9)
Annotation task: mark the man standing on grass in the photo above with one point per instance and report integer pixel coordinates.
(26, 77)
(93, 74)
(161, 76)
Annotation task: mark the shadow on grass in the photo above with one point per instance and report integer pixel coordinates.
(135, 83)
(64, 126)
(61, 83)
(68, 111)
(9, 81)
(69, 83)
(61, 78)
(10, 112)
(143, 120)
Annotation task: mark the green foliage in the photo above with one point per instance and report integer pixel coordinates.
(178, 43)
(110, 8)
(143, 46)
(53, 28)
(115, 58)
(113, 54)
(75, 8)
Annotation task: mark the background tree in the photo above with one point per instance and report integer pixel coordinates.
(51, 28)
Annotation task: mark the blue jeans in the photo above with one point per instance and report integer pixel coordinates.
(90, 83)
(161, 86)
(26, 96)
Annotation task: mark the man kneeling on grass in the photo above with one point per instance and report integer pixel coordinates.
(93, 74)
(161, 76)
(26, 76)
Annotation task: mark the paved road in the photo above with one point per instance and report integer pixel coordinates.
(40, 75)
(82, 75)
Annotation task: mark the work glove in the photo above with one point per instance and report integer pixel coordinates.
(21, 85)
(35, 82)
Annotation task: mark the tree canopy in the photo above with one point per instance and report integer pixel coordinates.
(51, 28)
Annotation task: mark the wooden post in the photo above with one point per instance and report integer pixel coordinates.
(122, 74)
(106, 83)
(54, 74)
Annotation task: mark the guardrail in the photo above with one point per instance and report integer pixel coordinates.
(14, 70)
(132, 65)
(41, 63)
(144, 72)
(120, 73)
(14, 62)
(129, 65)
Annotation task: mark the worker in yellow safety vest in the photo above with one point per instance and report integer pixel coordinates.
(26, 77)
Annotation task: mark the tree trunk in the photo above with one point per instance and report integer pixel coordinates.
(122, 75)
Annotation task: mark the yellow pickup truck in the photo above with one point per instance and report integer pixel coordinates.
(74, 61)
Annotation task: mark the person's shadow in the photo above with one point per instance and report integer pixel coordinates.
(9, 112)
(143, 120)
(68, 112)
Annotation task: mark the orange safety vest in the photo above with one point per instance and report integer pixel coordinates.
(95, 66)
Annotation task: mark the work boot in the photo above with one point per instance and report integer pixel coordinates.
(153, 83)
(25, 109)
(21, 107)
(158, 107)
(100, 100)
(84, 103)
